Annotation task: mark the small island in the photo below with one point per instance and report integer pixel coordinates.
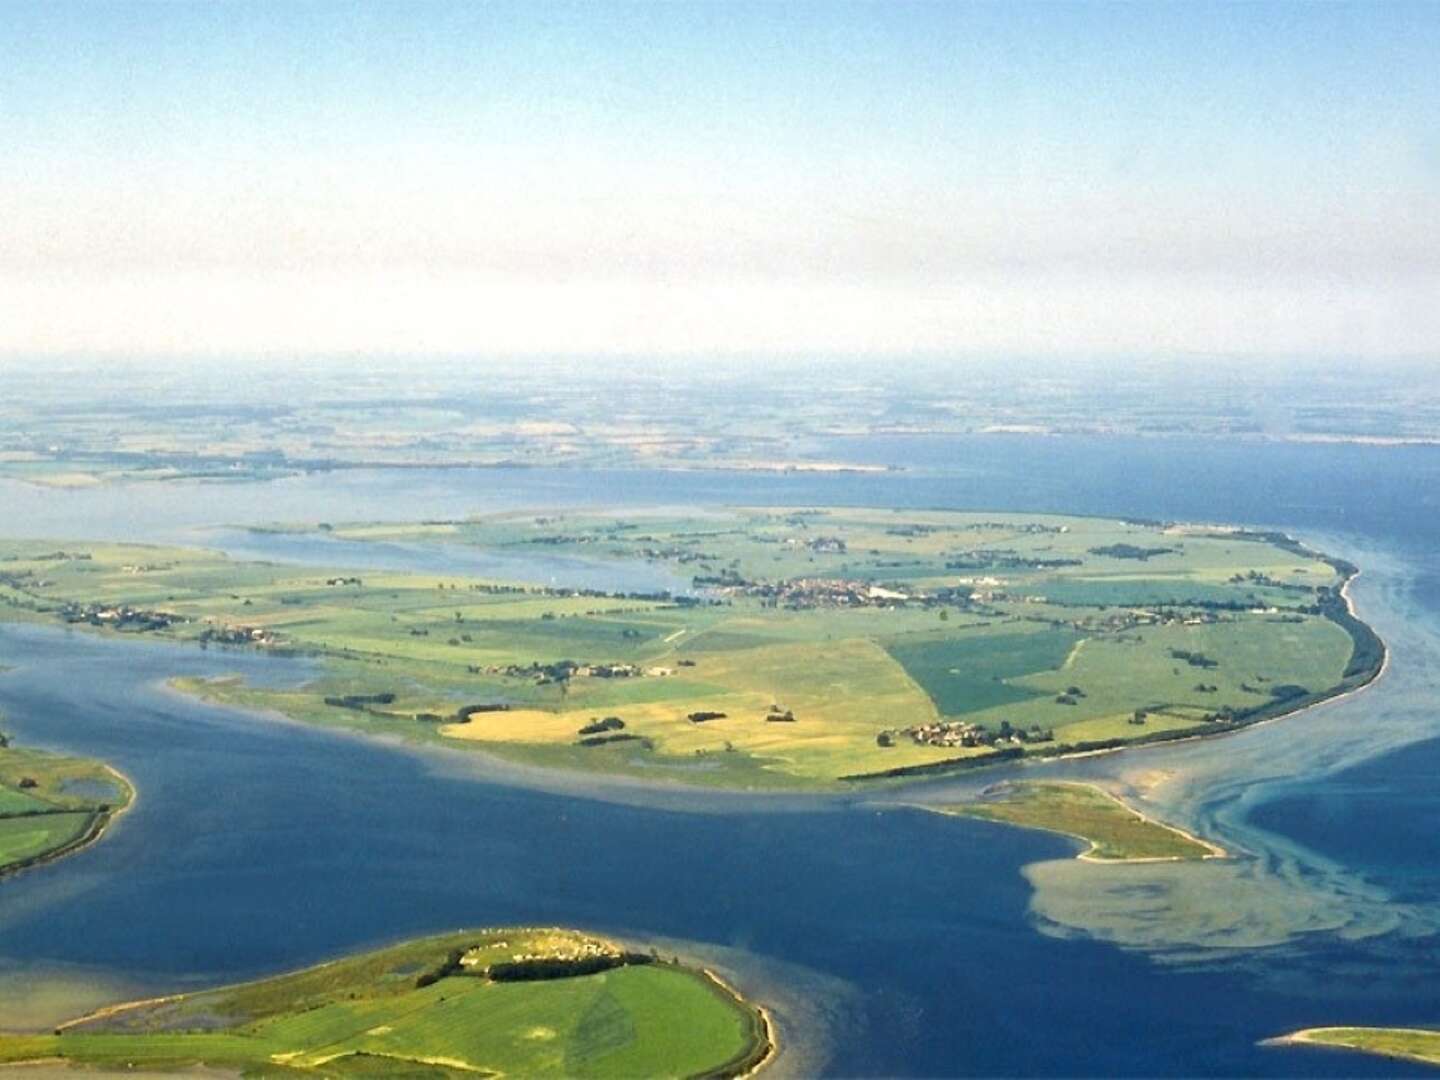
(517, 1002)
(1114, 831)
(52, 805)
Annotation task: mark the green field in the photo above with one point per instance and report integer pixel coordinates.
(22, 839)
(1114, 832)
(962, 675)
(51, 804)
(1409, 1044)
(820, 646)
(503, 1002)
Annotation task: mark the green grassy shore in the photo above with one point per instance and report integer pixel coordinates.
(518, 1002)
(51, 805)
(820, 647)
(1114, 831)
(1408, 1044)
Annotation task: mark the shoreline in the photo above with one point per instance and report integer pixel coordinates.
(1305, 1038)
(1329, 698)
(770, 1048)
(73, 474)
(98, 830)
(1213, 850)
(760, 1054)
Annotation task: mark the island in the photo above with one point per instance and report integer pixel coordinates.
(1115, 832)
(514, 1001)
(793, 648)
(52, 805)
(1408, 1044)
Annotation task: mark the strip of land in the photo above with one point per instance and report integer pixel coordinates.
(1114, 831)
(1408, 1044)
(52, 805)
(517, 1001)
(810, 648)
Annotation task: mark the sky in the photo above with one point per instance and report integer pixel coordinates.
(706, 179)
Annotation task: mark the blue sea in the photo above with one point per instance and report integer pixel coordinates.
(890, 941)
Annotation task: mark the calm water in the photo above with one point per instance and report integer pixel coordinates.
(893, 941)
(559, 571)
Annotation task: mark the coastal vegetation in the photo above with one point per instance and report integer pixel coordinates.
(795, 648)
(517, 1002)
(1408, 1044)
(1114, 831)
(51, 805)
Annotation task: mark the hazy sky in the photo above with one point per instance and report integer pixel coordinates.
(410, 176)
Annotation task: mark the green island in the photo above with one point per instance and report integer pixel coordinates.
(518, 1001)
(1408, 1044)
(810, 648)
(1114, 831)
(52, 805)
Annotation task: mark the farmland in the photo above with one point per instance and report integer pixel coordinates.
(809, 648)
(527, 1002)
(1114, 832)
(51, 805)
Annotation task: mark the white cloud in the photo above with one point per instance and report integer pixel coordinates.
(287, 260)
(230, 311)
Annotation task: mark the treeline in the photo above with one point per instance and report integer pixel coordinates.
(624, 736)
(1367, 655)
(558, 968)
(1010, 753)
(1194, 659)
(450, 966)
(360, 701)
(1130, 551)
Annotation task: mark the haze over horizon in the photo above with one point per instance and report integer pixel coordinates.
(1254, 179)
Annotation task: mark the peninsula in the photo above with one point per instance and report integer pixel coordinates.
(1114, 831)
(795, 648)
(1408, 1044)
(52, 805)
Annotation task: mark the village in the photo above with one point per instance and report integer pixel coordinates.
(801, 593)
(564, 670)
(961, 733)
(120, 616)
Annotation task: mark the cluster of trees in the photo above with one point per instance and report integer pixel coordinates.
(624, 736)
(1130, 551)
(1194, 659)
(599, 727)
(566, 968)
